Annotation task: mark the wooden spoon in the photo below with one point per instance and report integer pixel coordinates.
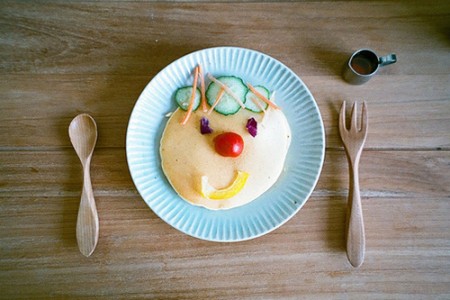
(83, 135)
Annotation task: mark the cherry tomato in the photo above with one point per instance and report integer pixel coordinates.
(229, 144)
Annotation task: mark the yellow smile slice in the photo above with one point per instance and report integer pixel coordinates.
(233, 189)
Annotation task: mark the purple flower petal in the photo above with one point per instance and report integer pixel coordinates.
(204, 126)
(252, 127)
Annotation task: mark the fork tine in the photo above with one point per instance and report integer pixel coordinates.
(364, 119)
(354, 118)
(342, 125)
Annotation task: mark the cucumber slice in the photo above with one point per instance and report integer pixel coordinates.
(250, 104)
(183, 95)
(227, 105)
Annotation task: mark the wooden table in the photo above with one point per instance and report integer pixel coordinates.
(59, 59)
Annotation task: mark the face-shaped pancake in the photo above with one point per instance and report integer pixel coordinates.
(187, 156)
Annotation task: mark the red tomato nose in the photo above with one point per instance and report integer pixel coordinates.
(229, 144)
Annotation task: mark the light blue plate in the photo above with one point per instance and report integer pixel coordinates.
(276, 206)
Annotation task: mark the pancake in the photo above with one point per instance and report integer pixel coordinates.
(187, 155)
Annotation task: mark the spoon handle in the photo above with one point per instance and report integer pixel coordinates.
(87, 222)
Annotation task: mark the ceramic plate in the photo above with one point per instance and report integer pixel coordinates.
(272, 209)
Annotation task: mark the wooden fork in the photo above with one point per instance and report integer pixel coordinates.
(353, 140)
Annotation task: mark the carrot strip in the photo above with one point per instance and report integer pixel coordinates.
(260, 96)
(202, 88)
(219, 96)
(227, 89)
(191, 101)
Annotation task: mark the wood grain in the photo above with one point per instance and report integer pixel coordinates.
(422, 102)
(59, 59)
(141, 38)
(405, 230)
